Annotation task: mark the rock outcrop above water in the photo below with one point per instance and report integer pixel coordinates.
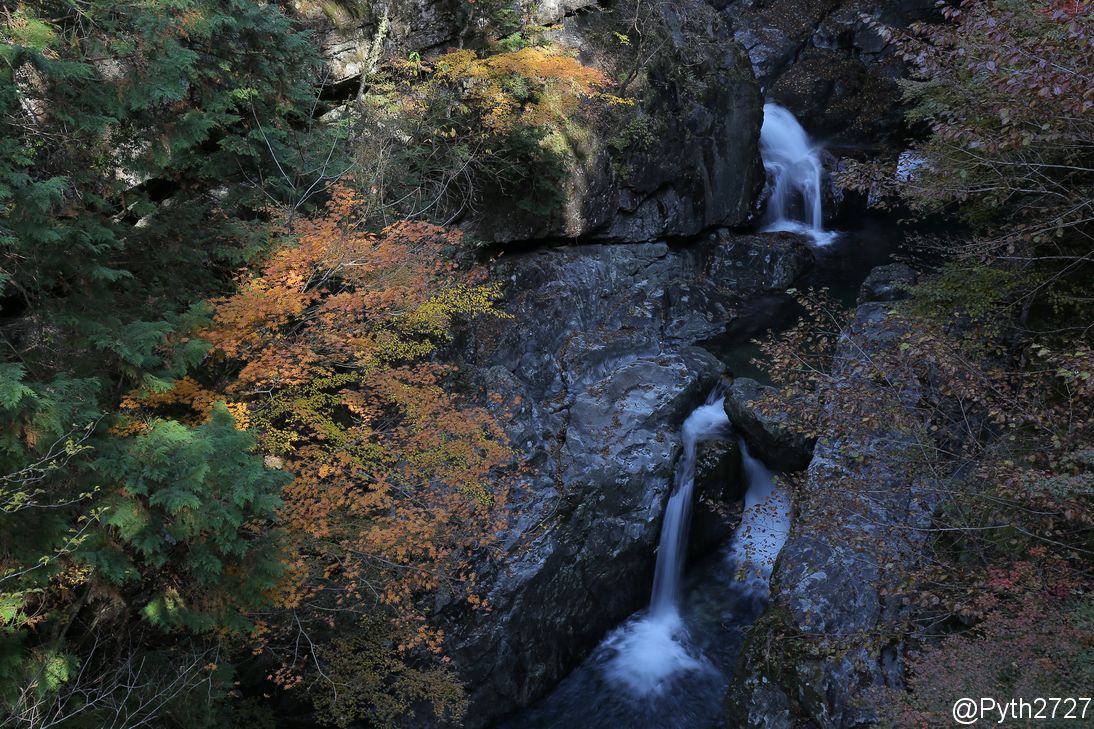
(888, 283)
(815, 655)
(822, 60)
(719, 485)
(770, 437)
(595, 374)
(758, 262)
(680, 159)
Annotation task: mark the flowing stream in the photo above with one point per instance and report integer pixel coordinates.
(795, 171)
(668, 666)
(765, 523)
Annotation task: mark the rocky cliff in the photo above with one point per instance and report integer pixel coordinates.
(678, 158)
(599, 365)
(823, 644)
(684, 158)
(598, 369)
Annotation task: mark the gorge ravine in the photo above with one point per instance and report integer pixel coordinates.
(619, 331)
(698, 643)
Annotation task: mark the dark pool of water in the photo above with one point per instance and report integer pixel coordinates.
(716, 611)
(840, 267)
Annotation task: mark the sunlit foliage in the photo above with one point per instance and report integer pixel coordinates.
(330, 347)
(445, 134)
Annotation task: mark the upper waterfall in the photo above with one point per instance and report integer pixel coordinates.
(793, 165)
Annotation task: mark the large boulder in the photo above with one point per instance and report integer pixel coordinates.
(761, 261)
(593, 377)
(770, 436)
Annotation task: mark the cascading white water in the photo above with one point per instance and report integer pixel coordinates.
(705, 421)
(793, 164)
(666, 667)
(649, 651)
(765, 524)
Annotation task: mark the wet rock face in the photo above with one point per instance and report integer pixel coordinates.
(719, 485)
(775, 31)
(595, 374)
(758, 262)
(842, 99)
(822, 60)
(888, 283)
(769, 436)
(813, 657)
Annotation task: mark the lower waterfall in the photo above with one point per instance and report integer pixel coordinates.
(667, 666)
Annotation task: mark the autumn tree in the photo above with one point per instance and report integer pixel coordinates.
(1007, 91)
(329, 352)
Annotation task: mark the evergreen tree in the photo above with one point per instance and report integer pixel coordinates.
(139, 141)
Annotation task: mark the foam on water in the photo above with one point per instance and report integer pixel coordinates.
(793, 165)
(648, 654)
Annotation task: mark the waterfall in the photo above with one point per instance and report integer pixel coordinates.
(765, 524)
(660, 668)
(650, 651)
(705, 421)
(793, 165)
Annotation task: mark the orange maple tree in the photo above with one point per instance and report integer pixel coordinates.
(329, 353)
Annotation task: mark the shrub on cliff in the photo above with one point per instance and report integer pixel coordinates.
(437, 138)
(991, 376)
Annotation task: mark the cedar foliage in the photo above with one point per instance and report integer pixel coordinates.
(131, 558)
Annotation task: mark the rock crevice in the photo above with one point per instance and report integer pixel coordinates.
(822, 646)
